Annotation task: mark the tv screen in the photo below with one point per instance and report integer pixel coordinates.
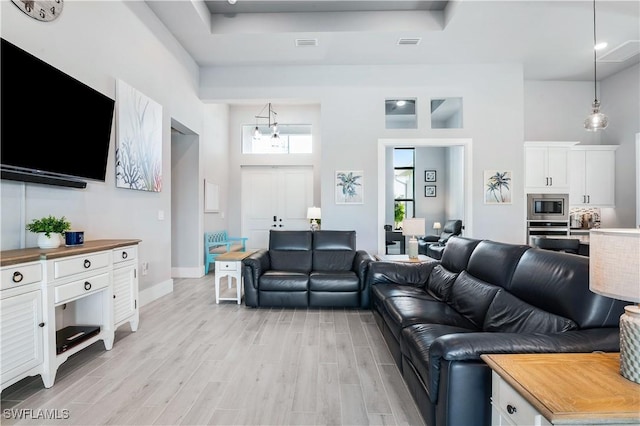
(51, 123)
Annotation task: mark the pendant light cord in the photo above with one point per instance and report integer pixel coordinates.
(594, 54)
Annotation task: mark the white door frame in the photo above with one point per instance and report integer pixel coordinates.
(467, 220)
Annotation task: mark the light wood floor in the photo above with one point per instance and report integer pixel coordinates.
(194, 362)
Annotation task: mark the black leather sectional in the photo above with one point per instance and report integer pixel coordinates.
(304, 268)
(484, 297)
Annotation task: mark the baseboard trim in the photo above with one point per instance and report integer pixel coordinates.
(191, 272)
(152, 293)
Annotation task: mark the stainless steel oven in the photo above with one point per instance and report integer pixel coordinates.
(548, 207)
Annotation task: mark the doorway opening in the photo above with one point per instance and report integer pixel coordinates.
(456, 202)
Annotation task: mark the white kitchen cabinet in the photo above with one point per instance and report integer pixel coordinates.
(547, 166)
(592, 175)
(21, 323)
(125, 287)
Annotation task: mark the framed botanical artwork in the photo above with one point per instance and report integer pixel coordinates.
(349, 187)
(139, 140)
(497, 187)
(429, 175)
(429, 190)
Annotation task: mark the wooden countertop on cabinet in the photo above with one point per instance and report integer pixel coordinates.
(12, 257)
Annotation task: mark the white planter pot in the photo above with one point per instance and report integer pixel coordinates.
(45, 242)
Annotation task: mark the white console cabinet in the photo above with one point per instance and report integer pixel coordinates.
(44, 291)
(125, 287)
(21, 322)
(547, 166)
(592, 175)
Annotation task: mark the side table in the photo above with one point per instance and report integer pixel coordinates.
(403, 258)
(230, 265)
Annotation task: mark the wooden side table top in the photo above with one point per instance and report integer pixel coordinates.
(233, 256)
(403, 258)
(571, 388)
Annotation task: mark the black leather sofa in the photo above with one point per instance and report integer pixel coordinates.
(484, 297)
(308, 269)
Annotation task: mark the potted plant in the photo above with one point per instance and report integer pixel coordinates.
(49, 230)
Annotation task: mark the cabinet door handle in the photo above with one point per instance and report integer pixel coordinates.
(588, 199)
(17, 277)
(87, 285)
(41, 325)
(547, 181)
(550, 181)
(124, 255)
(87, 263)
(511, 409)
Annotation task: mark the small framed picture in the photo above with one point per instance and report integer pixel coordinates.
(430, 190)
(429, 175)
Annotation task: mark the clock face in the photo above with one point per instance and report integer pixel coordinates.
(42, 10)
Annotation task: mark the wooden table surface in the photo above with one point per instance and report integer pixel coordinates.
(12, 257)
(572, 387)
(233, 255)
(404, 258)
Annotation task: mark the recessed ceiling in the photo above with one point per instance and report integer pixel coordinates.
(551, 39)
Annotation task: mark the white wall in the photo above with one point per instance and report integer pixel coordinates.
(455, 184)
(432, 209)
(352, 121)
(97, 43)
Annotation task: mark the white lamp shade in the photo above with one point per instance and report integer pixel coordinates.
(614, 263)
(413, 227)
(437, 225)
(314, 213)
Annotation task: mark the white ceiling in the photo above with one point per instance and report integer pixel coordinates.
(552, 39)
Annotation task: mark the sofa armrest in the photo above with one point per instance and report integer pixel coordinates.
(412, 274)
(254, 266)
(461, 347)
(469, 346)
(360, 266)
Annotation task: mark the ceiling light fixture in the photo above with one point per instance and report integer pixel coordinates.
(232, 1)
(272, 123)
(401, 103)
(596, 120)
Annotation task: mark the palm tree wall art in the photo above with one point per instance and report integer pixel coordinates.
(497, 186)
(349, 187)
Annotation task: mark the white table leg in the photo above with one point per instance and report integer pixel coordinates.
(217, 282)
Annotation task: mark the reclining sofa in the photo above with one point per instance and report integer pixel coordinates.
(308, 269)
(484, 297)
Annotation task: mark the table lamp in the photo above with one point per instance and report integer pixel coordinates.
(413, 228)
(614, 271)
(314, 214)
(437, 226)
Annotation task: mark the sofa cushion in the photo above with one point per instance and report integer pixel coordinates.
(405, 311)
(384, 291)
(334, 281)
(508, 314)
(459, 249)
(471, 297)
(333, 260)
(284, 281)
(415, 346)
(291, 260)
(334, 240)
(494, 262)
(440, 282)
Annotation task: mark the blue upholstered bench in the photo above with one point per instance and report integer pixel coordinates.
(217, 243)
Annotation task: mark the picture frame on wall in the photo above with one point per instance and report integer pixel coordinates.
(429, 190)
(349, 186)
(497, 184)
(430, 176)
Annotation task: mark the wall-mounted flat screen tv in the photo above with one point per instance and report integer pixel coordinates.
(52, 125)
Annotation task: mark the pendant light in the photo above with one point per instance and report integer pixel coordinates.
(596, 120)
(273, 125)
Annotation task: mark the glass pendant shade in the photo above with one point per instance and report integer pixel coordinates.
(597, 120)
(256, 133)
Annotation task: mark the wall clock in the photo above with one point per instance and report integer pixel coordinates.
(42, 10)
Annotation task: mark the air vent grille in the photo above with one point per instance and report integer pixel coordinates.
(303, 42)
(409, 41)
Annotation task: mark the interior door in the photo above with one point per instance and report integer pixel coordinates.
(274, 198)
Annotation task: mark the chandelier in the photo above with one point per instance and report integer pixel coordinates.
(272, 124)
(596, 120)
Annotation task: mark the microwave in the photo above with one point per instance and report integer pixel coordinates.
(548, 207)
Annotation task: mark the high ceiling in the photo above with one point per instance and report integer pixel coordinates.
(552, 39)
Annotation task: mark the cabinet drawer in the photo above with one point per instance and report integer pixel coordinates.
(75, 265)
(125, 254)
(514, 407)
(17, 275)
(227, 266)
(80, 288)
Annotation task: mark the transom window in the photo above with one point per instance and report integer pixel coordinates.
(288, 139)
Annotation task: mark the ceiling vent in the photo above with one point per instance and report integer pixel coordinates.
(302, 42)
(625, 51)
(409, 41)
